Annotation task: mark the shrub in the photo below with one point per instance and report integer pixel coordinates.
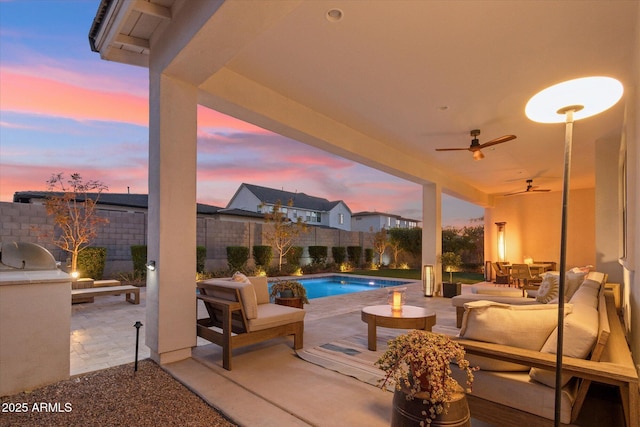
(262, 255)
(318, 254)
(91, 262)
(355, 255)
(201, 257)
(139, 258)
(237, 257)
(294, 255)
(368, 256)
(339, 254)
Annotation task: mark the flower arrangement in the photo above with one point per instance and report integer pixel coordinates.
(419, 362)
(291, 285)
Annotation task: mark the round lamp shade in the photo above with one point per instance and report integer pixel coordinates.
(590, 96)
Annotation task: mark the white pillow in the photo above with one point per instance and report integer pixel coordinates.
(239, 277)
(572, 281)
(548, 289)
(580, 333)
(523, 326)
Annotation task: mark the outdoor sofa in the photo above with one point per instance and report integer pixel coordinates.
(515, 345)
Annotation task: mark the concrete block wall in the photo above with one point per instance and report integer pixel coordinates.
(27, 222)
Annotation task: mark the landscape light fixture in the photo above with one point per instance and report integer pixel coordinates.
(566, 102)
(428, 280)
(151, 265)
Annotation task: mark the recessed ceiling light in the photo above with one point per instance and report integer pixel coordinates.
(334, 15)
(443, 108)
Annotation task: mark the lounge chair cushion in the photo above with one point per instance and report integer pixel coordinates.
(271, 315)
(523, 326)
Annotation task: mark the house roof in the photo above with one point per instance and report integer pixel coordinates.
(374, 213)
(125, 200)
(299, 200)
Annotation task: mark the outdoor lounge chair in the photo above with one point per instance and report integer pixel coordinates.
(240, 313)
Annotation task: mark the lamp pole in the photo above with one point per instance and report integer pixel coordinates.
(586, 96)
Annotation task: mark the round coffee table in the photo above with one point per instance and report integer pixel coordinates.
(410, 317)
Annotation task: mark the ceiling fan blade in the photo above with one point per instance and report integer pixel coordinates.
(541, 191)
(452, 149)
(499, 140)
(516, 192)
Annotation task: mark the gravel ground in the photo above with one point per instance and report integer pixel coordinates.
(112, 397)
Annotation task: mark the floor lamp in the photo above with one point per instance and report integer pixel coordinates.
(566, 102)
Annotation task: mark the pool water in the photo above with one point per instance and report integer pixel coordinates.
(327, 286)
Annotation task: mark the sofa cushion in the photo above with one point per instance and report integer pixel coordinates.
(247, 294)
(580, 333)
(261, 286)
(523, 326)
(271, 315)
(548, 289)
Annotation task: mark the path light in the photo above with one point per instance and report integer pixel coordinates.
(566, 102)
(428, 280)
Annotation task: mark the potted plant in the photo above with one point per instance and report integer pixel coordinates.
(450, 262)
(289, 289)
(418, 365)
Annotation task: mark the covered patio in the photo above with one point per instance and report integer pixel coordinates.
(386, 83)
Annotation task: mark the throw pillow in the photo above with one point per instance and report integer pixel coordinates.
(239, 277)
(548, 289)
(573, 280)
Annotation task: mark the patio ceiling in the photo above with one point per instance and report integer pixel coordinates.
(387, 82)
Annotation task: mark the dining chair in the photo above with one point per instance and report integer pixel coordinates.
(522, 277)
(502, 277)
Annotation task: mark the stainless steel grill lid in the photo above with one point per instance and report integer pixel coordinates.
(25, 256)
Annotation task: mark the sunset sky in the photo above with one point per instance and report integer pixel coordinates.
(63, 109)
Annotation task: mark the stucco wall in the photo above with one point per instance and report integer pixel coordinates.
(533, 227)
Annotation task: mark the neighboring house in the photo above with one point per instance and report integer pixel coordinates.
(312, 210)
(376, 221)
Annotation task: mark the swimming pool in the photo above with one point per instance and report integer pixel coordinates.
(326, 286)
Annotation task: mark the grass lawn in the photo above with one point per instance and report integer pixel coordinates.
(414, 274)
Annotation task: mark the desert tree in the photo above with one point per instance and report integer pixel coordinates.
(380, 242)
(73, 203)
(284, 231)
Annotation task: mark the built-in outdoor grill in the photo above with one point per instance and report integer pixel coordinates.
(35, 318)
(25, 256)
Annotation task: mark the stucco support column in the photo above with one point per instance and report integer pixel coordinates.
(171, 307)
(432, 228)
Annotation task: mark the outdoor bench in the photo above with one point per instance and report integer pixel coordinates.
(132, 293)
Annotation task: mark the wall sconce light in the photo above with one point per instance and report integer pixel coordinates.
(428, 280)
(395, 299)
(502, 242)
(151, 265)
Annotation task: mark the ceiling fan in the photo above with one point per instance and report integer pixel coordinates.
(530, 189)
(475, 146)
